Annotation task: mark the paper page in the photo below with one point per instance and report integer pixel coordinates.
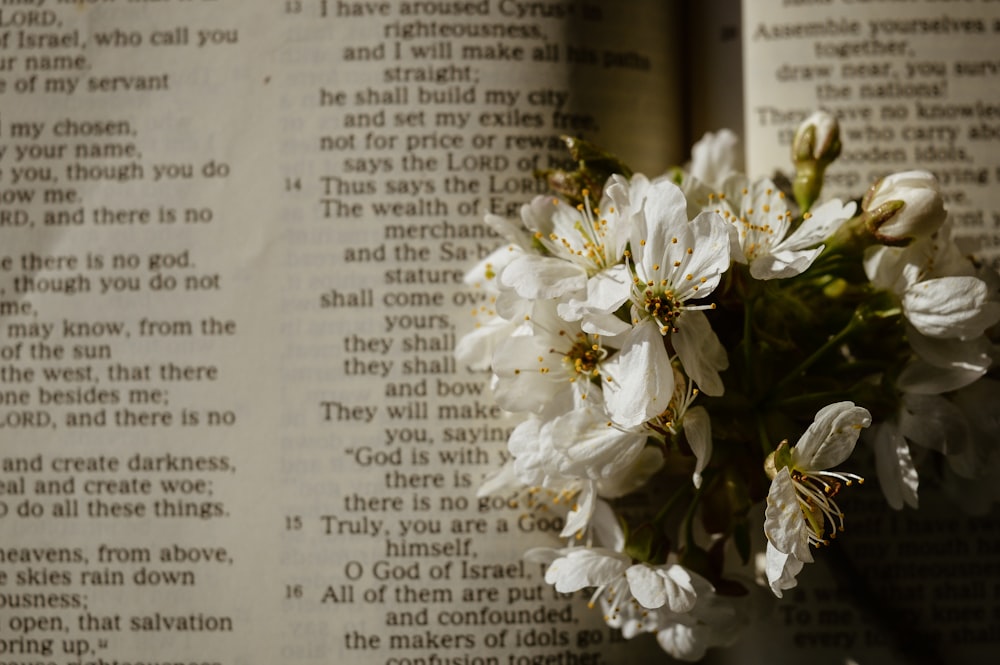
(232, 427)
(914, 85)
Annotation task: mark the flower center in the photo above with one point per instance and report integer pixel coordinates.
(581, 240)
(664, 307)
(584, 356)
(816, 492)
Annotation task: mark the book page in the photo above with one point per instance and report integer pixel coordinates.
(234, 233)
(914, 85)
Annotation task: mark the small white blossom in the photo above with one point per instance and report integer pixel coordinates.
(549, 357)
(817, 138)
(714, 158)
(801, 511)
(938, 304)
(579, 241)
(763, 220)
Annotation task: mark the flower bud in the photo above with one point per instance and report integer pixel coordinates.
(904, 206)
(815, 146)
(817, 139)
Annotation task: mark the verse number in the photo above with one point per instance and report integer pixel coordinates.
(293, 522)
(293, 6)
(293, 184)
(293, 591)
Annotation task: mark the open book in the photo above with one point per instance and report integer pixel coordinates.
(232, 427)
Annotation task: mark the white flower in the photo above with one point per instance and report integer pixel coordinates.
(962, 427)
(675, 262)
(549, 356)
(591, 447)
(943, 365)
(678, 417)
(938, 304)
(575, 457)
(763, 221)
(634, 596)
(500, 313)
(583, 567)
(668, 586)
(578, 241)
(641, 379)
(903, 206)
(801, 511)
(714, 158)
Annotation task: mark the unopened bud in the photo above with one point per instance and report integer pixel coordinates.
(817, 139)
(815, 146)
(904, 206)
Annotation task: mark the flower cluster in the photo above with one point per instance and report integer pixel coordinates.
(666, 338)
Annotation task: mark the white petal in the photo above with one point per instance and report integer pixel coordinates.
(609, 289)
(605, 527)
(642, 378)
(923, 378)
(578, 518)
(783, 264)
(781, 570)
(687, 643)
(544, 555)
(535, 277)
(511, 306)
(784, 524)
(971, 354)
(501, 481)
(591, 447)
(583, 567)
(664, 211)
(698, 430)
(606, 292)
(475, 349)
(884, 268)
(656, 586)
(606, 325)
(708, 238)
(934, 422)
(528, 374)
(831, 437)
(700, 351)
(950, 307)
(534, 459)
(896, 473)
(510, 231)
(823, 221)
(714, 157)
(634, 476)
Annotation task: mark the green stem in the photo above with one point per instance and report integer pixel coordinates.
(765, 439)
(796, 400)
(660, 516)
(689, 515)
(819, 353)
